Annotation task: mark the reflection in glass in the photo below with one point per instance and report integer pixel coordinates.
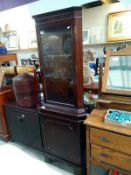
(57, 63)
(119, 76)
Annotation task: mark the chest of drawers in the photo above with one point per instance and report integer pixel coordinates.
(107, 145)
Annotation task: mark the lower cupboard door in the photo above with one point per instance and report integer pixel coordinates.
(62, 139)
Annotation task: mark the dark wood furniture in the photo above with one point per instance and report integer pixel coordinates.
(109, 145)
(23, 124)
(59, 35)
(6, 95)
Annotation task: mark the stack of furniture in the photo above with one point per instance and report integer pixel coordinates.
(23, 121)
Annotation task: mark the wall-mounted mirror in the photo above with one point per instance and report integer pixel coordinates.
(117, 75)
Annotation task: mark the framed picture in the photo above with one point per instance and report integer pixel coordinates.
(119, 26)
(10, 39)
(86, 34)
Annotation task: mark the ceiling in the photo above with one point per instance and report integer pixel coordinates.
(8, 4)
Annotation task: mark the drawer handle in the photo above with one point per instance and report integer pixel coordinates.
(104, 139)
(104, 155)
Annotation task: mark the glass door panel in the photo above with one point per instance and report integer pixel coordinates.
(58, 63)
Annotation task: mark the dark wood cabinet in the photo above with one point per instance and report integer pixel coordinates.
(23, 124)
(63, 136)
(59, 35)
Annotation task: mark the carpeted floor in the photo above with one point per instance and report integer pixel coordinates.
(16, 159)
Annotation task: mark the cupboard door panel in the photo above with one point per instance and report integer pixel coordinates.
(61, 139)
(24, 127)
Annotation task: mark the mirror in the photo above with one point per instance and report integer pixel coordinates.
(117, 75)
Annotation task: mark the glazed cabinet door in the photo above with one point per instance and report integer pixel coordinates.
(57, 62)
(59, 35)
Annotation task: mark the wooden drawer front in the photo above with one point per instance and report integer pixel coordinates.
(111, 157)
(110, 140)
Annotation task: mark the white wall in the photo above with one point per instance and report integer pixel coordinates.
(96, 20)
(19, 19)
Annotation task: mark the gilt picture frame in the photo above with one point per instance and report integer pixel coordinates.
(119, 26)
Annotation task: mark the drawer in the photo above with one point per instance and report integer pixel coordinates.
(110, 140)
(111, 157)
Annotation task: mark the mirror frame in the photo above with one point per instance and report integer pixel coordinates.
(123, 52)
